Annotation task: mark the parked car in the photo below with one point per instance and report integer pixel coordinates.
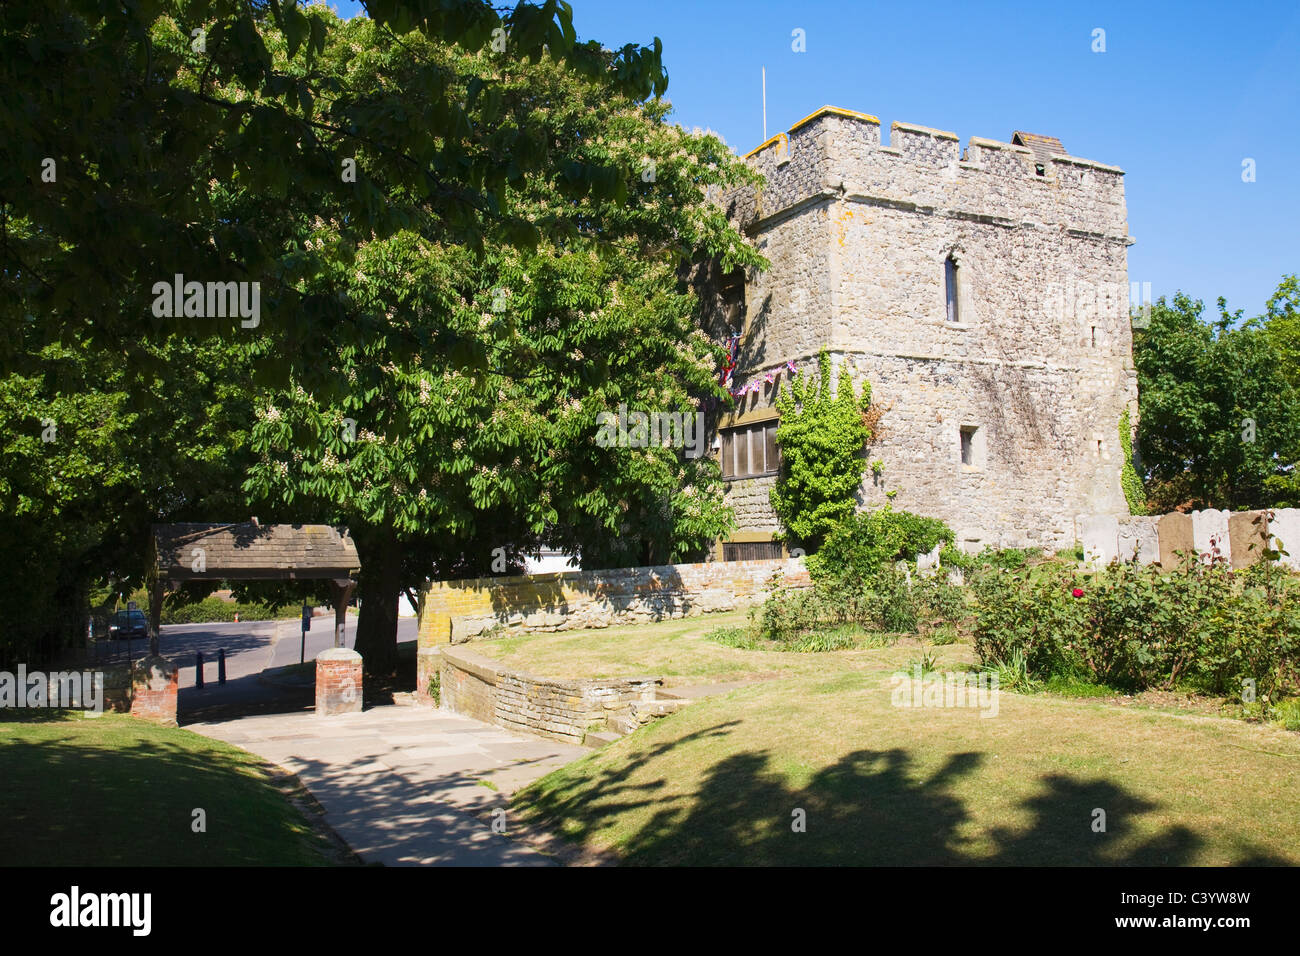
(128, 624)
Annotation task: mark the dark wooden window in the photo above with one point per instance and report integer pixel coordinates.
(751, 550)
(750, 450)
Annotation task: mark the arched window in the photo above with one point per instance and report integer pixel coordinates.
(950, 287)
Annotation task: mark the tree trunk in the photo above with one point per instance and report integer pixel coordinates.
(378, 586)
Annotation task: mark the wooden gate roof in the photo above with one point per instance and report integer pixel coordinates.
(251, 551)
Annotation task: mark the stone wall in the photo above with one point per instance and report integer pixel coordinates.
(458, 611)
(1040, 360)
(1160, 538)
(479, 687)
(751, 500)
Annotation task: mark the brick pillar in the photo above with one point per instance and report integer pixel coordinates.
(428, 664)
(338, 682)
(153, 690)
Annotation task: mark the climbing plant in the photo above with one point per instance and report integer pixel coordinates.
(821, 434)
(1134, 491)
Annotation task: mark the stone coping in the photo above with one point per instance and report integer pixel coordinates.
(923, 130)
(492, 672)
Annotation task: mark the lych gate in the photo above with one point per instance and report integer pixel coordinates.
(249, 551)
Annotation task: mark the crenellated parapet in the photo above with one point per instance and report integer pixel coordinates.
(837, 153)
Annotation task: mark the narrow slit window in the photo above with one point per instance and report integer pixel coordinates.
(950, 287)
(968, 445)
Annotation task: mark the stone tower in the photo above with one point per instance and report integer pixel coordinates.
(984, 295)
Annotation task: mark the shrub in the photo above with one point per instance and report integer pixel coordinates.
(862, 575)
(790, 613)
(214, 610)
(857, 547)
(1026, 614)
(1136, 626)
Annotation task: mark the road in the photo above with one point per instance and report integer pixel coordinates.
(251, 647)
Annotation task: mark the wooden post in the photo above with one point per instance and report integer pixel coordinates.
(157, 590)
(342, 589)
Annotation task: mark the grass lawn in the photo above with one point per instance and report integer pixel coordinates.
(115, 790)
(719, 782)
(677, 651)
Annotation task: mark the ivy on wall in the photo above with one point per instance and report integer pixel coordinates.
(821, 433)
(1134, 491)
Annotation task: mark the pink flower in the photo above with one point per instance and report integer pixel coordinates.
(1077, 592)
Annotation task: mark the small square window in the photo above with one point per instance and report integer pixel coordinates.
(1040, 169)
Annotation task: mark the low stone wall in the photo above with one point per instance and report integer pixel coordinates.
(1159, 538)
(481, 688)
(453, 612)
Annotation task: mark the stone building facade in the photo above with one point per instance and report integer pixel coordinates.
(983, 293)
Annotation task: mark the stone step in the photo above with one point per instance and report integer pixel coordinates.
(599, 738)
(621, 723)
(644, 710)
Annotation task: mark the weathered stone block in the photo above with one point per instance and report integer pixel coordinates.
(1176, 535)
(1248, 536)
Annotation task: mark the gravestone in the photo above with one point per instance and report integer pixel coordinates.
(1210, 531)
(1175, 533)
(1285, 529)
(1248, 535)
(1139, 538)
(1099, 535)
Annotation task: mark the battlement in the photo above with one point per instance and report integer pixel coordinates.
(839, 153)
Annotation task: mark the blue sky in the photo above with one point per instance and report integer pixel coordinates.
(1181, 96)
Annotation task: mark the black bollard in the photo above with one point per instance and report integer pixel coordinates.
(198, 669)
(221, 665)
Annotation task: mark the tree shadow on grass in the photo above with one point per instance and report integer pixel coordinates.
(870, 808)
(123, 793)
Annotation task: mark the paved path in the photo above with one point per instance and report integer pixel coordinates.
(400, 783)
